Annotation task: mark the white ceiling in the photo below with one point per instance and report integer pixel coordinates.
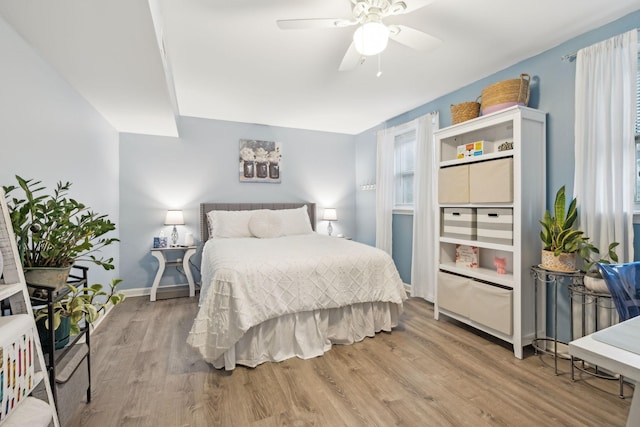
(228, 60)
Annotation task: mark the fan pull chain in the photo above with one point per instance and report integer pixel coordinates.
(379, 73)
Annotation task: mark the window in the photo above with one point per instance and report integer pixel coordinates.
(637, 129)
(404, 151)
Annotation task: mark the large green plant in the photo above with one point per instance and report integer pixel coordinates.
(54, 230)
(81, 303)
(559, 233)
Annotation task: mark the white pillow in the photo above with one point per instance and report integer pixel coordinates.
(229, 224)
(265, 224)
(295, 221)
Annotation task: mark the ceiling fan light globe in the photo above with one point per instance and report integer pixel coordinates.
(371, 38)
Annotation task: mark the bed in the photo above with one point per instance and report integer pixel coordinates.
(273, 289)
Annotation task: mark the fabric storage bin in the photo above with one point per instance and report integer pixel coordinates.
(491, 306)
(453, 293)
(459, 223)
(453, 184)
(495, 225)
(18, 352)
(491, 181)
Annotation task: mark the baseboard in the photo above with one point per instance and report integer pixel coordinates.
(164, 291)
(103, 314)
(107, 310)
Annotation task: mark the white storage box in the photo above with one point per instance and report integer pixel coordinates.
(453, 293)
(453, 184)
(459, 223)
(491, 181)
(492, 306)
(495, 225)
(18, 352)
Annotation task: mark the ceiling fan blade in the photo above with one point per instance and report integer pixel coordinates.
(306, 24)
(413, 38)
(351, 59)
(412, 5)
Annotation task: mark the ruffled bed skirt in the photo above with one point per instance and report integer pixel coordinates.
(309, 334)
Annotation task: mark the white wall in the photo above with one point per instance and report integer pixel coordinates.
(50, 133)
(160, 173)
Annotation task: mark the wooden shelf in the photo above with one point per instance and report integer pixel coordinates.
(20, 341)
(488, 156)
(7, 290)
(480, 273)
(479, 244)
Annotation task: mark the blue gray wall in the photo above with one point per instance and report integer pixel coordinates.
(160, 173)
(51, 133)
(552, 91)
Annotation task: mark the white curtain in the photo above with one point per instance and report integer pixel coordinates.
(425, 204)
(605, 108)
(384, 189)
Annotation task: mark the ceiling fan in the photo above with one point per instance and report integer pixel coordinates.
(372, 35)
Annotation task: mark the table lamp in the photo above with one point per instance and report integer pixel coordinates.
(330, 214)
(174, 218)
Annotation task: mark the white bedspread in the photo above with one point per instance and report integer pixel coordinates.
(248, 281)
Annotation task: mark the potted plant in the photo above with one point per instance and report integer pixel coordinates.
(560, 237)
(590, 255)
(53, 231)
(79, 303)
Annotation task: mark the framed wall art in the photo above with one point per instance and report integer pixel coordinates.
(260, 161)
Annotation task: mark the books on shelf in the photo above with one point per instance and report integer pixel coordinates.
(466, 256)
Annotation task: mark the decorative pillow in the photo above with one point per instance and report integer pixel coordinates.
(295, 221)
(229, 224)
(265, 224)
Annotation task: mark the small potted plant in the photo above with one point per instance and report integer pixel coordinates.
(560, 237)
(590, 255)
(79, 304)
(53, 231)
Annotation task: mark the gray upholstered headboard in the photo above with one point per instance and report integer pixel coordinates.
(206, 207)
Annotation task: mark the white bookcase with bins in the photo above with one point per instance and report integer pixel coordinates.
(491, 194)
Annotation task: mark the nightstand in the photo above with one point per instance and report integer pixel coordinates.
(160, 255)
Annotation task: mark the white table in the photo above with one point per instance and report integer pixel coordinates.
(160, 255)
(613, 358)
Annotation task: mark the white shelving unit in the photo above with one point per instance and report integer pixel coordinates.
(499, 304)
(25, 391)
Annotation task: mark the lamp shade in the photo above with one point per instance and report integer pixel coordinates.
(174, 218)
(330, 214)
(371, 38)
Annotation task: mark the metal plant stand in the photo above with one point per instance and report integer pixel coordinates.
(555, 279)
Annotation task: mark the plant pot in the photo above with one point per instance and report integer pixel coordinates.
(595, 284)
(61, 335)
(52, 277)
(565, 262)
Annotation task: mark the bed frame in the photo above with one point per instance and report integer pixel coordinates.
(206, 207)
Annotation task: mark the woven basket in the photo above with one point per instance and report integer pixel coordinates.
(465, 111)
(505, 94)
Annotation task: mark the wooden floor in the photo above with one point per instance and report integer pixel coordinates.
(424, 373)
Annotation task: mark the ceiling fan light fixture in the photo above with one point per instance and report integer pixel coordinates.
(371, 38)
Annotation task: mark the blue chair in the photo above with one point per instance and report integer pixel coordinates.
(623, 282)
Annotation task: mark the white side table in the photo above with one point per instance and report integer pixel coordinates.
(160, 254)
